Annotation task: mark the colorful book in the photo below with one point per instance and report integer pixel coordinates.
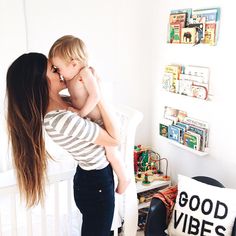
(188, 35)
(191, 140)
(175, 71)
(175, 33)
(174, 133)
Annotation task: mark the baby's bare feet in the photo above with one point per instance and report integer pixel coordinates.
(122, 185)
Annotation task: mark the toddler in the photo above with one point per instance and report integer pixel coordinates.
(69, 58)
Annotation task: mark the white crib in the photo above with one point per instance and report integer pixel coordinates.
(59, 216)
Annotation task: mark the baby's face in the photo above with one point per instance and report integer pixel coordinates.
(67, 70)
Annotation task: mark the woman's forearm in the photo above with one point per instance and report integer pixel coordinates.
(109, 120)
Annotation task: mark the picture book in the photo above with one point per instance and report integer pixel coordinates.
(210, 14)
(175, 33)
(200, 90)
(167, 81)
(200, 31)
(184, 125)
(185, 87)
(182, 131)
(171, 114)
(163, 127)
(196, 122)
(178, 18)
(192, 78)
(198, 71)
(192, 141)
(210, 33)
(203, 135)
(175, 71)
(174, 133)
(188, 12)
(188, 35)
(163, 130)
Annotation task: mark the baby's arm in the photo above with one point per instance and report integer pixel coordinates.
(91, 85)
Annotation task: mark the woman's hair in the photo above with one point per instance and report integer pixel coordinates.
(28, 98)
(69, 48)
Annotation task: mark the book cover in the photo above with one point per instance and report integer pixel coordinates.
(200, 31)
(203, 135)
(210, 14)
(188, 12)
(174, 133)
(167, 81)
(200, 90)
(191, 141)
(178, 18)
(188, 35)
(196, 122)
(175, 33)
(185, 87)
(193, 78)
(198, 71)
(163, 131)
(210, 33)
(184, 125)
(175, 71)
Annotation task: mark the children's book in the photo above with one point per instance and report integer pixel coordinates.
(191, 140)
(175, 33)
(163, 127)
(199, 71)
(178, 18)
(185, 87)
(188, 35)
(200, 90)
(174, 133)
(210, 33)
(200, 124)
(167, 81)
(175, 71)
(188, 12)
(203, 135)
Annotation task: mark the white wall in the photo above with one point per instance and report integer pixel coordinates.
(219, 112)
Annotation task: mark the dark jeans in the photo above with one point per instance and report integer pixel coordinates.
(94, 196)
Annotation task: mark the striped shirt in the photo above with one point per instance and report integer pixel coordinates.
(77, 136)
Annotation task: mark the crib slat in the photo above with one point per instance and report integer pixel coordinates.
(13, 215)
(43, 221)
(56, 208)
(29, 222)
(69, 206)
(0, 224)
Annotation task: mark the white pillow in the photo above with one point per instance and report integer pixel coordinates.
(202, 209)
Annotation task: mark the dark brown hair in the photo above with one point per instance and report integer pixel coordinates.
(28, 98)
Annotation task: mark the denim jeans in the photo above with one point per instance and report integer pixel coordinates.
(94, 196)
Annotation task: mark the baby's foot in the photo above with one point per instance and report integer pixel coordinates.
(122, 185)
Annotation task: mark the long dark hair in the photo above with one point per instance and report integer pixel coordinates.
(28, 98)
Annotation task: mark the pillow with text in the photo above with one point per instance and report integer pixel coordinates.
(202, 209)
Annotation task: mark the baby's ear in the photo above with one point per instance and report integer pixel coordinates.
(74, 62)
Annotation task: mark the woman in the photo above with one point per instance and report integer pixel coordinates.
(33, 88)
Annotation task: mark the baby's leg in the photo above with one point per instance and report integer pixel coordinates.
(119, 168)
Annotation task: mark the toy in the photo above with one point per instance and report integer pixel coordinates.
(147, 165)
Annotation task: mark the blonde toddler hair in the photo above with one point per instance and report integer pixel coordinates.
(69, 48)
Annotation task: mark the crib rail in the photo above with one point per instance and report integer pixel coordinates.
(16, 220)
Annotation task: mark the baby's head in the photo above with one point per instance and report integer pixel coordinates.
(68, 55)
